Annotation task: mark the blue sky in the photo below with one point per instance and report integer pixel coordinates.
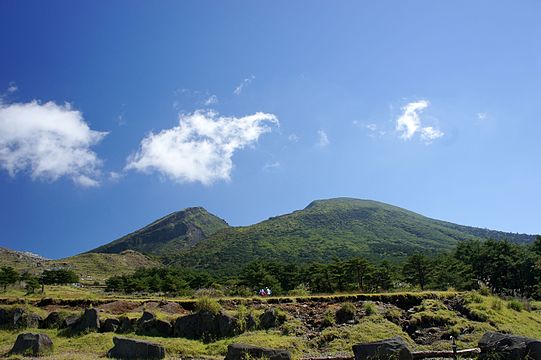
(113, 114)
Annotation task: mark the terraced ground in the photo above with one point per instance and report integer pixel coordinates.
(425, 320)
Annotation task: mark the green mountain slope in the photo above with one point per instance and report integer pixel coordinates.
(172, 233)
(90, 267)
(326, 229)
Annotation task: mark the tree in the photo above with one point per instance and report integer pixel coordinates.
(359, 269)
(32, 283)
(384, 276)
(450, 272)
(58, 277)
(8, 276)
(417, 270)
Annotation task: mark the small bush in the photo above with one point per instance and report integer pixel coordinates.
(345, 313)
(475, 297)
(328, 319)
(496, 304)
(515, 305)
(484, 290)
(393, 315)
(369, 308)
(300, 290)
(208, 304)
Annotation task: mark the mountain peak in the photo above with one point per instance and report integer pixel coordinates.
(174, 232)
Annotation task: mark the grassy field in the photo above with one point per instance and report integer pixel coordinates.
(484, 313)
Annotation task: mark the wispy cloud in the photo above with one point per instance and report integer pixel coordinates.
(12, 87)
(49, 141)
(272, 166)
(323, 139)
(293, 138)
(482, 115)
(201, 147)
(211, 100)
(238, 90)
(409, 123)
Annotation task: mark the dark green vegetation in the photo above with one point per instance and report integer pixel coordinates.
(504, 268)
(326, 229)
(174, 232)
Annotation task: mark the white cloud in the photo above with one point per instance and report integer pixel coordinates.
(211, 100)
(272, 166)
(323, 139)
(244, 83)
(371, 127)
(49, 141)
(293, 138)
(201, 147)
(429, 134)
(409, 123)
(12, 88)
(482, 115)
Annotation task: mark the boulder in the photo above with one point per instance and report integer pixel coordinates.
(53, 321)
(155, 327)
(32, 344)
(18, 318)
(135, 349)
(69, 322)
(251, 322)
(394, 348)
(88, 322)
(206, 325)
(147, 316)
(509, 347)
(243, 351)
(271, 318)
(110, 325)
(127, 325)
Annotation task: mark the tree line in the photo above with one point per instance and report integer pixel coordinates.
(9, 276)
(504, 267)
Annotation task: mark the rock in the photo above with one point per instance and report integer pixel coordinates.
(509, 347)
(394, 348)
(147, 316)
(18, 318)
(135, 349)
(251, 322)
(271, 318)
(32, 344)
(69, 322)
(243, 351)
(127, 325)
(345, 315)
(155, 328)
(206, 325)
(110, 325)
(53, 321)
(88, 322)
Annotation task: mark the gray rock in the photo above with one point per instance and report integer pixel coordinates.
(242, 351)
(52, 321)
(270, 318)
(394, 348)
(18, 318)
(32, 344)
(509, 347)
(127, 325)
(206, 325)
(155, 327)
(88, 322)
(147, 316)
(110, 325)
(69, 322)
(135, 349)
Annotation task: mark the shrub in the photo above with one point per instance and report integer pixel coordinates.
(208, 304)
(496, 304)
(515, 305)
(475, 297)
(328, 319)
(369, 308)
(345, 313)
(484, 290)
(300, 290)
